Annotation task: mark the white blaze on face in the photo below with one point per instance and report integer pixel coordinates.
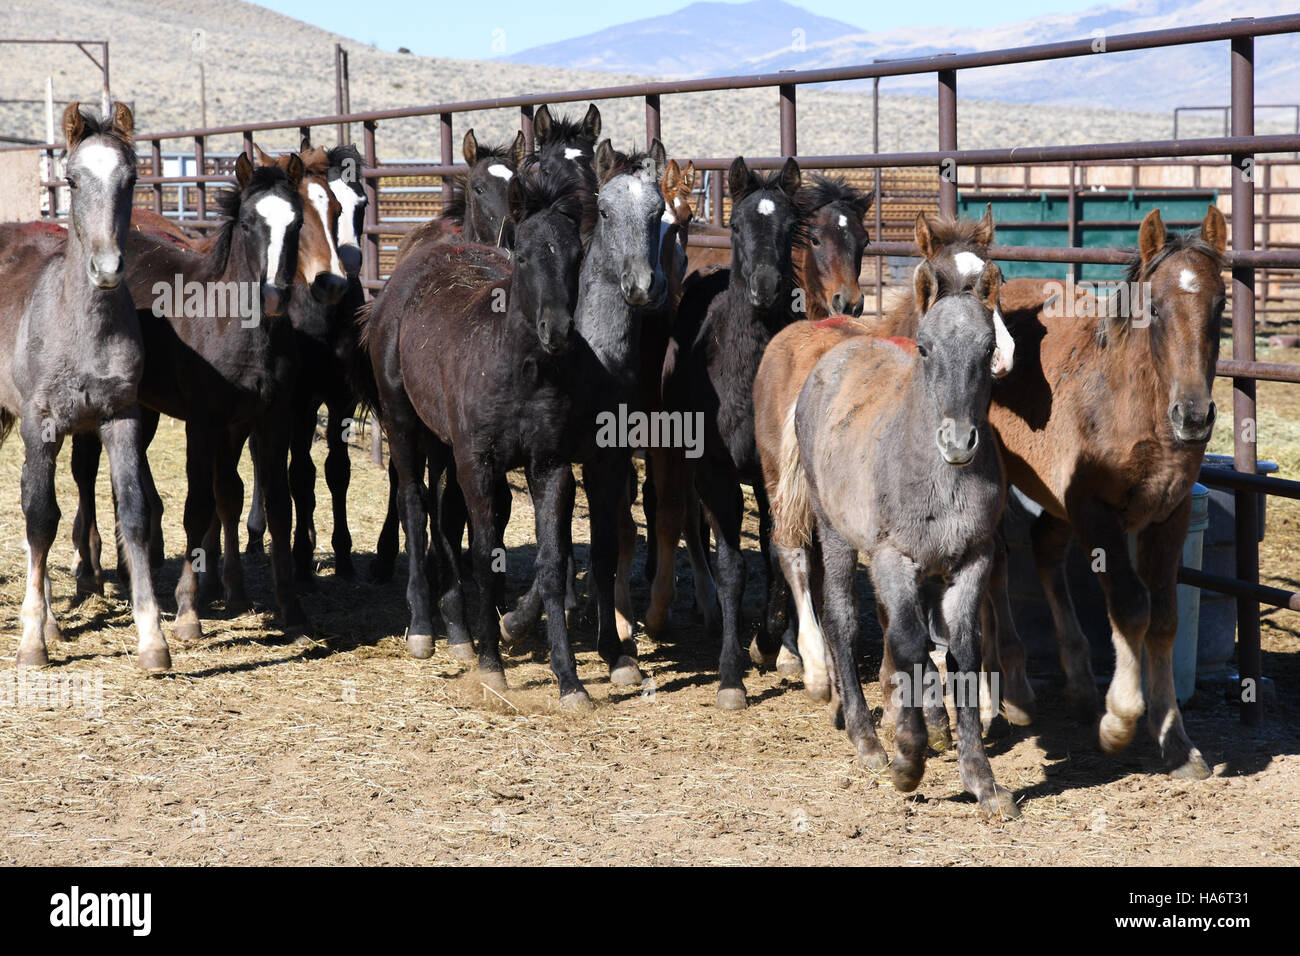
(844, 221)
(1187, 281)
(634, 187)
(766, 207)
(501, 171)
(277, 212)
(349, 200)
(320, 201)
(571, 153)
(969, 264)
(99, 160)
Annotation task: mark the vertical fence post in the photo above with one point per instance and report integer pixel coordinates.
(447, 157)
(948, 141)
(715, 196)
(371, 188)
(526, 124)
(875, 201)
(200, 161)
(653, 127)
(1072, 222)
(155, 160)
(342, 92)
(789, 123)
(53, 190)
(1243, 389)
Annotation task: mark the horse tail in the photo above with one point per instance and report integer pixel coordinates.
(7, 419)
(792, 518)
(360, 371)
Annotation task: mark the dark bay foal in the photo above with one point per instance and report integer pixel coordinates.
(71, 363)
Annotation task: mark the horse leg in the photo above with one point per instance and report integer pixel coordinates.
(480, 502)
(625, 621)
(228, 490)
(121, 438)
(256, 513)
(720, 492)
(86, 566)
(1007, 655)
(665, 511)
(302, 486)
(840, 616)
(795, 569)
(961, 613)
(552, 489)
(199, 509)
(381, 569)
(443, 568)
(41, 516)
(272, 430)
(764, 648)
(605, 481)
(406, 475)
(1051, 541)
(895, 578)
(1160, 551)
(1129, 605)
(697, 551)
(148, 429)
(338, 475)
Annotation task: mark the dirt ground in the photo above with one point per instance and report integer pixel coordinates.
(258, 751)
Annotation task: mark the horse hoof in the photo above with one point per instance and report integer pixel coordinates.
(939, 738)
(492, 680)
(905, 776)
(156, 660)
(577, 701)
(1082, 707)
(625, 672)
(189, 630)
(513, 630)
(52, 633)
(1194, 769)
(33, 657)
(732, 698)
(1000, 804)
(818, 693)
(303, 637)
(874, 760)
(463, 652)
(761, 661)
(997, 727)
(1114, 734)
(788, 664)
(344, 568)
(254, 547)
(419, 646)
(237, 606)
(1020, 716)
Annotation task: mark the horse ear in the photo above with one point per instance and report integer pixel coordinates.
(668, 181)
(925, 286)
(519, 149)
(660, 157)
(604, 160)
(984, 231)
(989, 286)
(469, 147)
(924, 237)
(1151, 236)
(304, 144)
(243, 170)
(738, 177)
(542, 124)
(515, 199)
(263, 157)
(123, 121)
(591, 122)
(687, 181)
(74, 126)
(294, 169)
(791, 178)
(1214, 230)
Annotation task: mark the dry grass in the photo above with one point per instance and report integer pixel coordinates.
(255, 751)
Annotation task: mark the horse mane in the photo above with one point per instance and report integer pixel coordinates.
(564, 128)
(625, 163)
(94, 125)
(230, 201)
(337, 155)
(1117, 321)
(455, 208)
(822, 190)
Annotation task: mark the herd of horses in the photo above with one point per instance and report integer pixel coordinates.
(561, 284)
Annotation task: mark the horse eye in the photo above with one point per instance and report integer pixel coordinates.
(550, 247)
(478, 190)
(70, 181)
(604, 214)
(816, 242)
(922, 350)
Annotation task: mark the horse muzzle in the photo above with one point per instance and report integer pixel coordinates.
(841, 304)
(553, 333)
(327, 288)
(105, 270)
(1193, 421)
(350, 260)
(957, 443)
(275, 299)
(763, 287)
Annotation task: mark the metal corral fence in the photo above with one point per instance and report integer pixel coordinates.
(1237, 150)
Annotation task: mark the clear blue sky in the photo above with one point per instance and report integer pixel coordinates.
(467, 29)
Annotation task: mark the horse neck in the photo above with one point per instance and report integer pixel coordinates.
(1125, 363)
(604, 319)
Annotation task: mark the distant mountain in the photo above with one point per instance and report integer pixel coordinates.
(718, 39)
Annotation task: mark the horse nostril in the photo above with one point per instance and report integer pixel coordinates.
(838, 302)
(972, 440)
